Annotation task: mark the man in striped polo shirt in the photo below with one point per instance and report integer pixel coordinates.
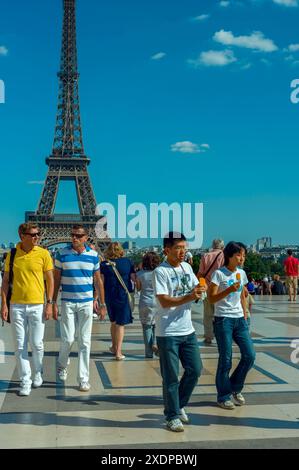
(77, 271)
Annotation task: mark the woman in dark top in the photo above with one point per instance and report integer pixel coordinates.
(116, 297)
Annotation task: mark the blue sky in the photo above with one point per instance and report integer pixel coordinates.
(180, 102)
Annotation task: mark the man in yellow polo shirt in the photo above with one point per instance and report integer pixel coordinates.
(32, 265)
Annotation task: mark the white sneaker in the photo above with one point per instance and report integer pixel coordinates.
(84, 387)
(62, 373)
(184, 417)
(25, 390)
(38, 380)
(239, 399)
(175, 425)
(227, 405)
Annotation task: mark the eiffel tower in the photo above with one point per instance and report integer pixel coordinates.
(68, 160)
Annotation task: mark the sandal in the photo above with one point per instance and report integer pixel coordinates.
(120, 358)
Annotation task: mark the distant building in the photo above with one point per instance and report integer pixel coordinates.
(265, 242)
(129, 246)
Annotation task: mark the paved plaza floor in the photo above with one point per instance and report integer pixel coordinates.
(124, 408)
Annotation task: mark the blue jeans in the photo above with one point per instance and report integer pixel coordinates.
(149, 339)
(226, 330)
(173, 349)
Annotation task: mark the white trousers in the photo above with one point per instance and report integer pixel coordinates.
(28, 324)
(76, 317)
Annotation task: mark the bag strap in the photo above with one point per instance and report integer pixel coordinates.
(210, 267)
(117, 273)
(11, 262)
(10, 275)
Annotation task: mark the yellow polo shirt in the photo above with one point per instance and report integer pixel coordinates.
(28, 271)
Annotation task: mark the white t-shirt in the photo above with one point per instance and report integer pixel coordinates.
(175, 282)
(231, 305)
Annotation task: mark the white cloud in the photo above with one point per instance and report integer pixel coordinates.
(224, 3)
(188, 147)
(214, 59)
(287, 3)
(35, 182)
(158, 56)
(201, 18)
(3, 50)
(293, 47)
(266, 62)
(255, 41)
(246, 66)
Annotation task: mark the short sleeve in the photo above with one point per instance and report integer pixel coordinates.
(58, 264)
(48, 263)
(216, 277)
(6, 266)
(160, 282)
(96, 264)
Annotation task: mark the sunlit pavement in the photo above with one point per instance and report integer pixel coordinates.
(124, 408)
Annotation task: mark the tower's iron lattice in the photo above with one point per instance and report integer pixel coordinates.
(68, 160)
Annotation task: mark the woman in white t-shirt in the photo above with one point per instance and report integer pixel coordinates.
(227, 292)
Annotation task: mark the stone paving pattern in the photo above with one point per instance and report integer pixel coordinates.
(124, 408)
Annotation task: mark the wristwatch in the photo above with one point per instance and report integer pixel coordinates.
(102, 305)
(51, 302)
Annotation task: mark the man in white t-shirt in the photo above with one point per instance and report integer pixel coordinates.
(176, 287)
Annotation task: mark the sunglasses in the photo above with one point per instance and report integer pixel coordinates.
(33, 235)
(78, 235)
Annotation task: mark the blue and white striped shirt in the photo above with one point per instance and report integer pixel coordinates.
(77, 270)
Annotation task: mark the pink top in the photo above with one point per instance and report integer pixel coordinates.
(207, 259)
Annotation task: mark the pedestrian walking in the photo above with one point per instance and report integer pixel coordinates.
(77, 272)
(118, 273)
(147, 301)
(176, 287)
(208, 264)
(227, 292)
(31, 268)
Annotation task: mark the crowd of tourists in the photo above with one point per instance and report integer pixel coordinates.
(79, 282)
